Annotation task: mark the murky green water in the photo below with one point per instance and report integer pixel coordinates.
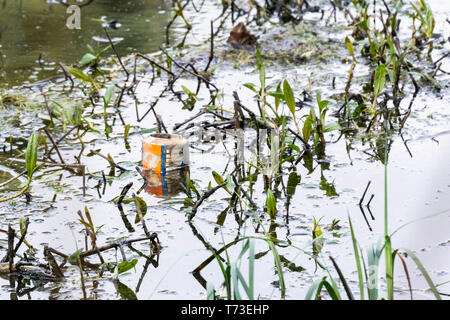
(34, 37)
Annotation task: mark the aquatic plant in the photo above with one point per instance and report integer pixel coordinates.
(368, 274)
(389, 69)
(93, 58)
(316, 125)
(427, 23)
(30, 164)
(233, 277)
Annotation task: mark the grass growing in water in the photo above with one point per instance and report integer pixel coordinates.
(368, 270)
(30, 162)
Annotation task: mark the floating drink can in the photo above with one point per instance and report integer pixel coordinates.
(163, 152)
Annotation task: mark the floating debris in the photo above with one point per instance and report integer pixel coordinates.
(113, 24)
(163, 152)
(240, 37)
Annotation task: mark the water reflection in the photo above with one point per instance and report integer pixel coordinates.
(168, 184)
(34, 36)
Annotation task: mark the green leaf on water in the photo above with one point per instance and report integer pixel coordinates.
(321, 103)
(31, 154)
(294, 147)
(190, 186)
(358, 110)
(289, 97)
(188, 202)
(317, 231)
(79, 74)
(127, 130)
(307, 128)
(219, 180)
(379, 80)
(331, 127)
(108, 95)
(38, 167)
(349, 45)
(250, 86)
(271, 204)
(125, 292)
(143, 208)
(73, 258)
(262, 72)
(87, 58)
(87, 225)
(217, 177)
(364, 25)
(318, 240)
(189, 92)
(278, 95)
(77, 113)
(22, 226)
(293, 181)
(91, 50)
(124, 266)
(230, 184)
(316, 287)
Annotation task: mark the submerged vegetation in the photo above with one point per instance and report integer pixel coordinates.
(94, 119)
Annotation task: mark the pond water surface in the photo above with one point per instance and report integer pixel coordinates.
(34, 37)
(418, 176)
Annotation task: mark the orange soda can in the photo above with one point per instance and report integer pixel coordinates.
(162, 152)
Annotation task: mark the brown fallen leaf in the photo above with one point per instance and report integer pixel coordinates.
(240, 36)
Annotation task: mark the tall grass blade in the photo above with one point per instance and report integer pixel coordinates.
(364, 267)
(344, 282)
(262, 72)
(357, 260)
(249, 288)
(330, 289)
(276, 258)
(406, 272)
(334, 284)
(243, 282)
(279, 269)
(251, 270)
(334, 294)
(312, 289)
(225, 272)
(424, 273)
(388, 247)
(234, 281)
(389, 268)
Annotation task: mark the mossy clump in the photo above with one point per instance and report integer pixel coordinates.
(9, 100)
